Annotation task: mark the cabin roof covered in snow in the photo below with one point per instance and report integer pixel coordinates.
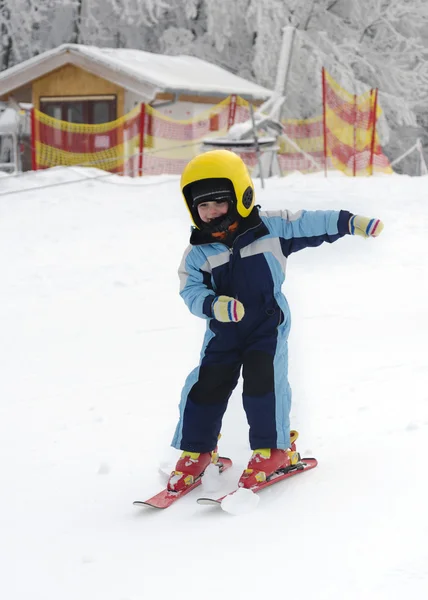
(144, 73)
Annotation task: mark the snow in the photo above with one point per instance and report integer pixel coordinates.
(180, 73)
(240, 502)
(96, 344)
(211, 481)
(9, 120)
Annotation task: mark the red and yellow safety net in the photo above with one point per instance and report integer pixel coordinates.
(170, 143)
(112, 146)
(350, 134)
(344, 137)
(148, 141)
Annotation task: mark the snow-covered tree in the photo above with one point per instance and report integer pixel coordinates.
(25, 27)
(5, 35)
(363, 43)
(384, 48)
(378, 43)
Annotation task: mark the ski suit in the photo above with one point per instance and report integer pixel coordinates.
(252, 270)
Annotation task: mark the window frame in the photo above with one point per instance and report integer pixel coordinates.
(63, 139)
(88, 105)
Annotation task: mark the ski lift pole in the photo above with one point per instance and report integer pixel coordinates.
(423, 165)
(256, 144)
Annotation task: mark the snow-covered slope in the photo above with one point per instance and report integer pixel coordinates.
(96, 344)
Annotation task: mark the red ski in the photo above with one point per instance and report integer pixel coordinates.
(165, 498)
(305, 464)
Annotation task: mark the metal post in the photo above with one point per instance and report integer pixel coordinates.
(16, 152)
(256, 143)
(283, 68)
(355, 136)
(423, 165)
(142, 131)
(232, 111)
(324, 108)
(33, 141)
(373, 131)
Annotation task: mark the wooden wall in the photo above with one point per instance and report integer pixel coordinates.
(22, 94)
(70, 80)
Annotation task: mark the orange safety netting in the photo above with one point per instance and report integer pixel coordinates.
(145, 141)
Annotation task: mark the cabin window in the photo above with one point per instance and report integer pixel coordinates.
(75, 112)
(101, 112)
(90, 110)
(81, 109)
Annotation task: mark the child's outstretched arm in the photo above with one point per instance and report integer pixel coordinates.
(311, 228)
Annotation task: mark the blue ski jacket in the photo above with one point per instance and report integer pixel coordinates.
(252, 270)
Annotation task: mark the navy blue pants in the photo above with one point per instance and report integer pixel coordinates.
(258, 347)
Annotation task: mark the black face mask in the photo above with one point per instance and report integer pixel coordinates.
(221, 223)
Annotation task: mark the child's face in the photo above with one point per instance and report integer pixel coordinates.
(211, 210)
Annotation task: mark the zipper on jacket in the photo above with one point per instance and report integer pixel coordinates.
(231, 253)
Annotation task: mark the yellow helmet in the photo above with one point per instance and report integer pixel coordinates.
(219, 168)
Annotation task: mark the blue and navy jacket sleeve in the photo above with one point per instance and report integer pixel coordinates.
(306, 228)
(195, 282)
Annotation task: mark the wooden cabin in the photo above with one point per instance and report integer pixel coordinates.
(85, 84)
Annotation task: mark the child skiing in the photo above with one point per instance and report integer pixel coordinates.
(231, 274)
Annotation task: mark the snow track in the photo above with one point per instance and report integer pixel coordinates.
(96, 344)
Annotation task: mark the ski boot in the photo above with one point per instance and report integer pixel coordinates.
(189, 467)
(265, 461)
